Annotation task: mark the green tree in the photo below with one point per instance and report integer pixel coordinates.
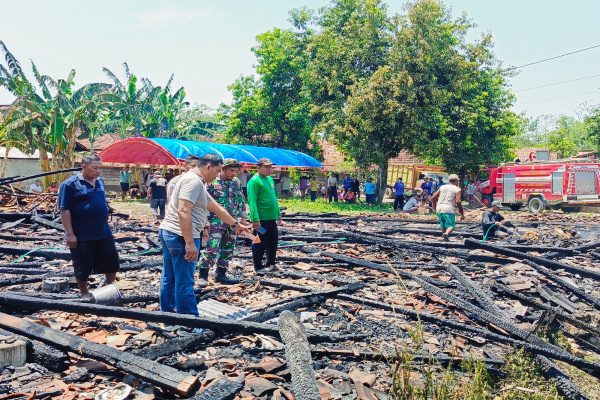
(592, 126)
(271, 109)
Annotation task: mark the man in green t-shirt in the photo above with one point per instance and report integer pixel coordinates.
(264, 214)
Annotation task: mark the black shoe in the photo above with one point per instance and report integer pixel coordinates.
(203, 277)
(221, 277)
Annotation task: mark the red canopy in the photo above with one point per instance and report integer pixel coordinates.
(137, 150)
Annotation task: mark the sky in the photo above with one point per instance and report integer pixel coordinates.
(207, 44)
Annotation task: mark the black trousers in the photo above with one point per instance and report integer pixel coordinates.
(268, 244)
(332, 193)
(398, 202)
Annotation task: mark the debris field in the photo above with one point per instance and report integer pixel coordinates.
(329, 322)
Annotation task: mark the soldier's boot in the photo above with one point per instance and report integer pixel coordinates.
(203, 277)
(221, 277)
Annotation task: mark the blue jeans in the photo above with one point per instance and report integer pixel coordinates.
(177, 278)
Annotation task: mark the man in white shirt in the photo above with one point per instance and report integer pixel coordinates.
(286, 185)
(36, 187)
(181, 230)
(446, 200)
(471, 193)
(332, 188)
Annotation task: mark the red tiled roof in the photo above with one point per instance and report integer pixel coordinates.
(406, 158)
(100, 143)
(332, 157)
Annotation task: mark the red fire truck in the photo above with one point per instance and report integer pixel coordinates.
(563, 184)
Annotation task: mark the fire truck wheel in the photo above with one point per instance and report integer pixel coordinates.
(572, 209)
(536, 205)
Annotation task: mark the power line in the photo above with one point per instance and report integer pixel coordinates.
(562, 97)
(558, 83)
(555, 57)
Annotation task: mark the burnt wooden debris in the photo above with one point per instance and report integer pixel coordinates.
(326, 323)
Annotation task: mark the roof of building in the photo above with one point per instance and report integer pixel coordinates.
(15, 153)
(526, 153)
(101, 142)
(333, 157)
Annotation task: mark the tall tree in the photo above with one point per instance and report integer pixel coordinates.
(271, 109)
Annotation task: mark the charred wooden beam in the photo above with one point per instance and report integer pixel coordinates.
(538, 260)
(48, 254)
(26, 238)
(482, 298)
(462, 327)
(160, 375)
(533, 302)
(482, 315)
(10, 216)
(297, 355)
(16, 179)
(48, 224)
(224, 389)
(175, 345)
(216, 324)
(564, 384)
(300, 301)
(565, 284)
(433, 232)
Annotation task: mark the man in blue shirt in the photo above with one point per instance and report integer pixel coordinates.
(398, 194)
(84, 215)
(427, 186)
(347, 183)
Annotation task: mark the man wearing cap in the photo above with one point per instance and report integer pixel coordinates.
(446, 200)
(264, 213)
(227, 191)
(491, 220)
(157, 192)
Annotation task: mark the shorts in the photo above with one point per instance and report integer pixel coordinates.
(124, 186)
(95, 257)
(447, 220)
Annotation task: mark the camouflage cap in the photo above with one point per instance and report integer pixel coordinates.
(231, 162)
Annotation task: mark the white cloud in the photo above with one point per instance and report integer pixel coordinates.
(173, 16)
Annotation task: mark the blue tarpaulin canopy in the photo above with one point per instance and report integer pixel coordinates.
(169, 151)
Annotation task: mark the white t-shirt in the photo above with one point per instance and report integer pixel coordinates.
(471, 188)
(189, 187)
(332, 181)
(410, 204)
(286, 183)
(447, 201)
(244, 179)
(33, 188)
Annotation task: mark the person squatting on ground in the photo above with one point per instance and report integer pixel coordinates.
(181, 230)
(412, 205)
(227, 191)
(398, 195)
(84, 215)
(264, 215)
(157, 192)
(491, 220)
(446, 200)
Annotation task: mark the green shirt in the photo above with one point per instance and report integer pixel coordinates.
(261, 199)
(124, 176)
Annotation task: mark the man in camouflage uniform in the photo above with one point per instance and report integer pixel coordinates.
(227, 191)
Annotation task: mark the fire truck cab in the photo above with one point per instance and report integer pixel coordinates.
(567, 185)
